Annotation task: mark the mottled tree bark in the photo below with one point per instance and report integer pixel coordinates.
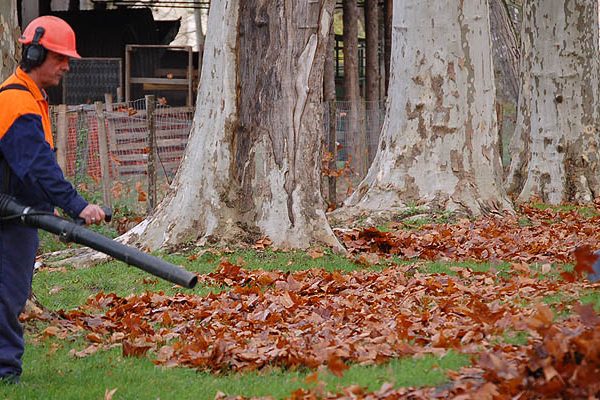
(387, 40)
(372, 96)
(506, 51)
(355, 134)
(555, 146)
(198, 14)
(252, 165)
(329, 96)
(9, 32)
(438, 147)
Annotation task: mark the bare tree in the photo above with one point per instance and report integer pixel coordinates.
(555, 146)
(506, 50)
(387, 39)
(355, 135)
(329, 97)
(252, 165)
(372, 96)
(200, 37)
(9, 32)
(438, 147)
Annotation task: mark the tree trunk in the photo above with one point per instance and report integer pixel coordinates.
(387, 40)
(329, 96)
(372, 76)
(438, 147)
(200, 38)
(9, 32)
(555, 146)
(506, 51)
(355, 137)
(252, 165)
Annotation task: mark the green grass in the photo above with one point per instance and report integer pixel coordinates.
(269, 260)
(54, 374)
(51, 373)
(436, 267)
(523, 222)
(70, 289)
(516, 338)
(49, 242)
(585, 212)
(591, 297)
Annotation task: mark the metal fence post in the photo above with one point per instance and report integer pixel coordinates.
(103, 147)
(332, 148)
(62, 128)
(150, 105)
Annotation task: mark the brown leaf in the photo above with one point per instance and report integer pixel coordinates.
(312, 378)
(88, 351)
(488, 391)
(542, 319)
(588, 315)
(108, 394)
(135, 349)
(584, 259)
(142, 196)
(315, 253)
(50, 331)
(55, 289)
(94, 337)
(336, 365)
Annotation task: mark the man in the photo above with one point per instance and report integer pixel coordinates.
(29, 172)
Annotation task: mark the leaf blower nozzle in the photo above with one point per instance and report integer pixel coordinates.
(69, 231)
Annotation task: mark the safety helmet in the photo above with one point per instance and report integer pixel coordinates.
(57, 35)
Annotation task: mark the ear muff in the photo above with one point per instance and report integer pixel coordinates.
(35, 54)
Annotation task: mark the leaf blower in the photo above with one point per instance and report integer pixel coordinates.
(69, 231)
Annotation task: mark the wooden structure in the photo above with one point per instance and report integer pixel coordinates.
(160, 79)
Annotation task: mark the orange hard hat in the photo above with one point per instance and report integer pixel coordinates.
(58, 35)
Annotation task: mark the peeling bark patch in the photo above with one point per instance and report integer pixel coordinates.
(440, 130)
(437, 83)
(545, 180)
(417, 112)
(410, 192)
(456, 161)
(418, 80)
(451, 72)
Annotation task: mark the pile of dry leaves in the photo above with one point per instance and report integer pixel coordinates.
(322, 319)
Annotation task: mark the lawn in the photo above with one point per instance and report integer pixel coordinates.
(454, 307)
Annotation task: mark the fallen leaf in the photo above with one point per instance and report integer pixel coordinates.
(108, 394)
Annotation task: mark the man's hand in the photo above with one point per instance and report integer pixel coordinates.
(92, 214)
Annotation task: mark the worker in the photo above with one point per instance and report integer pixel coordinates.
(30, 173)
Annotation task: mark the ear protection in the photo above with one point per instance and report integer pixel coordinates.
(35, 54)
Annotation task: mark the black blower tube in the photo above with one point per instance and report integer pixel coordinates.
(71, 232)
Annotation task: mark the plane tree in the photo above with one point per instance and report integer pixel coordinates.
(252, 166)
(438, 147)
(555, 145)
(9, 32)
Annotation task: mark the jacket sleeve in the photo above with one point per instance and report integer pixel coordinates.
(32, 160)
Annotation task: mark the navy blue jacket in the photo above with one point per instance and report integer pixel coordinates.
(27, 147)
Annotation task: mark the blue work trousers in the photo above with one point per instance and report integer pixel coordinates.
(18, 247)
